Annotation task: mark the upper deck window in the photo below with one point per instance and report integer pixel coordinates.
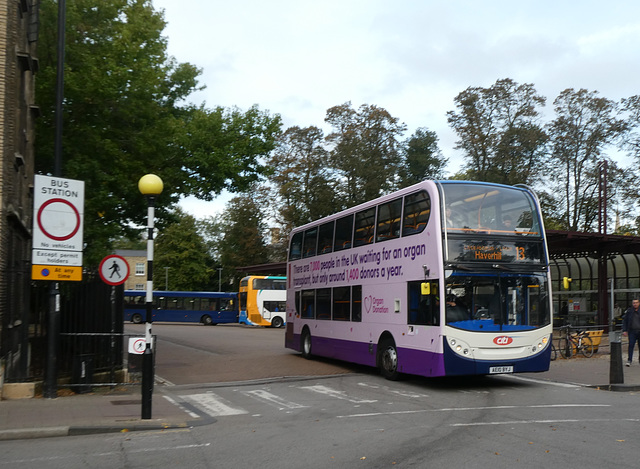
(310, 242)
(325, 238)
(389, 215)
(365, 223)
(295, 249)
(344, 233)
(417, 208)
(484, 208)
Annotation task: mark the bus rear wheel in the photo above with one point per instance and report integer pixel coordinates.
(136, 319)
(305, 344)
(277, 322)
(388, 360)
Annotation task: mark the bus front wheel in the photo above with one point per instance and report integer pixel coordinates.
(277, 322)
(306, 344)
(136, 319)
(388, 360)
(206, 320)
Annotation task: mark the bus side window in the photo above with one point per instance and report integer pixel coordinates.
(356, 303)
(344, 233)
(323, 303)
(389, 220)
(341, 303)
(325, 238)
(365, 223)
(310, 242)
(417, 208)
(307, 304)
(295, 250)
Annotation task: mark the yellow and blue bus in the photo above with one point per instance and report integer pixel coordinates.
(440, 278)
(208, 308)
(263, 300)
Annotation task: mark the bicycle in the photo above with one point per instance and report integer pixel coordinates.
(571, 344)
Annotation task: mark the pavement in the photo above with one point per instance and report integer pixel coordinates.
(119, 410)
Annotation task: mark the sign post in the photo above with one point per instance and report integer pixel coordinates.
(56, 255)
(114, 270)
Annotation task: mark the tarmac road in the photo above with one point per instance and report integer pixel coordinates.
(193, 353)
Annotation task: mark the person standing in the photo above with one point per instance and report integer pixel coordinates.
(631, 327)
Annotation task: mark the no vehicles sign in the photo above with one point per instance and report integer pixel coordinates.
(58, 221)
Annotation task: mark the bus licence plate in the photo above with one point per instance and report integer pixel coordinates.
(500, 369)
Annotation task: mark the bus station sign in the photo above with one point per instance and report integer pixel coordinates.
(58, 220)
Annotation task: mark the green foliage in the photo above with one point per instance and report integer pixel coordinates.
(366, 151)
(499, 134)
(180, 248)
(221, 149)
(584, 125)
(422, 158)
(124, 117)
(301, 180)
(243, 242)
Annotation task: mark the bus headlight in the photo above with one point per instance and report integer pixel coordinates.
(459, 347)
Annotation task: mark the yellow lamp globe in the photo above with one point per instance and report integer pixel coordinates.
(150, 184)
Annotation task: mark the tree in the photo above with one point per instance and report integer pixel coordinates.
(222, 149)
(498, 131)
(366, 151)
(584, 125)
(124, 116)
(180, 248)
(243, 242)
(421, 158)
(302, 183)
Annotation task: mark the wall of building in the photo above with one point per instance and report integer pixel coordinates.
(18, 66)
(137, 260)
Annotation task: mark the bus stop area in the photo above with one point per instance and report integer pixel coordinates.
(119, 411)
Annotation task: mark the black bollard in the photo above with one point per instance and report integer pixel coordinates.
(616, 375)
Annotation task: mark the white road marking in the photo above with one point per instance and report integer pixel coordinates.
(464, 409)
(181, 407)
(542, 381)
(520, 422)
(272, 399)
(411, 394)
(213, 404)
(327, 391)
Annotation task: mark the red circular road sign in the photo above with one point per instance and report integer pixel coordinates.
(74, 226)
(114, 270)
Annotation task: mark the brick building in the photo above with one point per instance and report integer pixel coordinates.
(18, 66)
(137, 260)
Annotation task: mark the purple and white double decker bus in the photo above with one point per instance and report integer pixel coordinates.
(441, 278)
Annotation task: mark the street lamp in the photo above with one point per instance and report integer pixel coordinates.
(150, 186)
(219, 278)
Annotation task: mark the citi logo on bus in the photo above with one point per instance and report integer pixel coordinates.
(502, 340)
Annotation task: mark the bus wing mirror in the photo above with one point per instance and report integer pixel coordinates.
(426, 288)
(566, 281)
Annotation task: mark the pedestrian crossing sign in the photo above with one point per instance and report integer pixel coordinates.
(114, 270)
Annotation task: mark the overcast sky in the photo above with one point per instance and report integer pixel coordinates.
(298, 58)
